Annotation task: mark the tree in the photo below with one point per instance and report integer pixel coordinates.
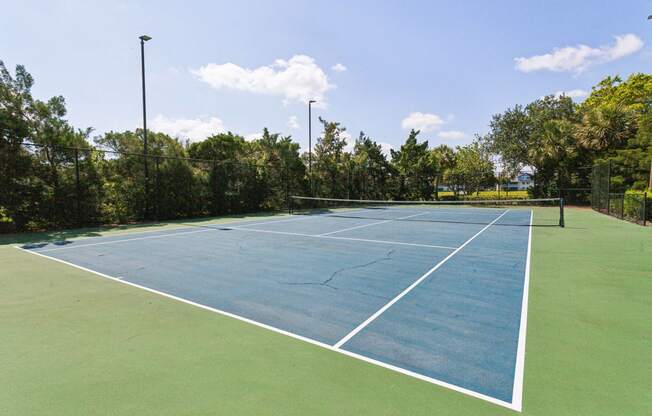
(510, 137)
(473, 169)
(444, 157)
(538, 136)
(329, 172)
(615, 126)
(220, 147)
(633, 94)
(19, 197)
(632, 163)
(371, 169)
(174, 182)
(605, 128)
(416, 169)
(554, 155)
(279, 168)
(39, 185)
(61, 173)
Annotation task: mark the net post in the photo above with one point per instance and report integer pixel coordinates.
(290, 205)
(561, 213)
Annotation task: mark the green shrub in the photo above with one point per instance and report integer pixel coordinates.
(484, 195)
(497, 195)
(634, 206)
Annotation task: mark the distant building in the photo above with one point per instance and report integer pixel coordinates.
(522, 182)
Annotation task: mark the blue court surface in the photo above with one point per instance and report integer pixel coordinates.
(435, 293)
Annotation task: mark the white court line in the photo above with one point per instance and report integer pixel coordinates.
(129, 239)
(375, 223)
(290, 334)
(242, 228)
(210, 227)
(412, 286)
(517, 392)
(342, 238)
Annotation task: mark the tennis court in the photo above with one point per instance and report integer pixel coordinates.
(434, 292)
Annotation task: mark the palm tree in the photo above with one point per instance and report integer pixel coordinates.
(445, 157)
(604, 128)
(555, 144)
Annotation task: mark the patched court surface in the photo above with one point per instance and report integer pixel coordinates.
(439, 294)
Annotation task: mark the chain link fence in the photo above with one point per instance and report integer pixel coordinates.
(609, 196)
(63, 187)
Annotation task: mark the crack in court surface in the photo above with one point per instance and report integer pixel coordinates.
(326, 282)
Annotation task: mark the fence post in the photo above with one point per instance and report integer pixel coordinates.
(622, 207)
(594, 187)
(561, 193)
(644, 208)
(158, 190)
(562, 222)
(146, 213)
(609, 188)
(286, 172)
(77, 188)
(348, 181)
(215, 189)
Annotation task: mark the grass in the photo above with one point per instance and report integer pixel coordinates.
(73, 343)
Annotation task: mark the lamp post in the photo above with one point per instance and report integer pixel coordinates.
(310, 143)
(650, 179)
(143, 39)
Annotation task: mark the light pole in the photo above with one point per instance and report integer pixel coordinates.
(650, 179)
(144, 39)
(310, 143)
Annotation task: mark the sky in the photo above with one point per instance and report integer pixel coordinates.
(382, 67)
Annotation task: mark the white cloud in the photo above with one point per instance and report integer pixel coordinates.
(338, 67)
(195, 129)
(293, 122)
(576, 93)
(297, 79)
(452, 135)
(422, 121)
(581, 57)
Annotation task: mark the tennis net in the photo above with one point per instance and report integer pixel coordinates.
(524, 212)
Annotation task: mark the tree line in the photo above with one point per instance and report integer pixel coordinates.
(55, 175)
(559, 138)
